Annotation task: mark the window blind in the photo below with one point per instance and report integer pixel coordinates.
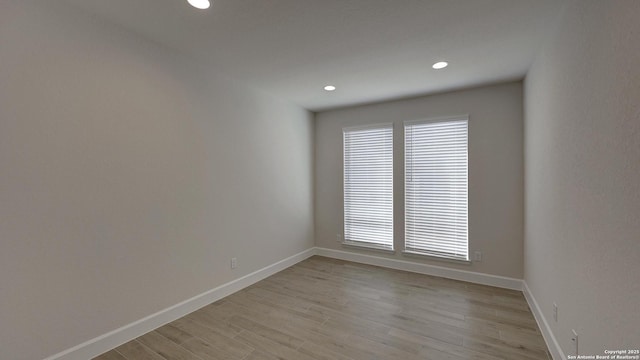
(368, 186)
(436, 172)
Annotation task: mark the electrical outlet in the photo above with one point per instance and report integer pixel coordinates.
(574, 339)
(234, 263)
(478, 256)
(339, 238)
(555, 312)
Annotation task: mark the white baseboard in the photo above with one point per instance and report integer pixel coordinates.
(449, 273)
(547, 334)
(115, 338)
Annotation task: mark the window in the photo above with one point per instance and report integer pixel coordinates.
(368, 186)
(436, 188)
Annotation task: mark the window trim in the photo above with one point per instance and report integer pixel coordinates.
(426, 254)
(436, 119)
(361, 244)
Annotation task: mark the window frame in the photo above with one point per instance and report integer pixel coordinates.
(363, 244)
(426, 253)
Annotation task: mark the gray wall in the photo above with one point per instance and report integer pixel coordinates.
(129, 178)
(582, 237)
(495, 170)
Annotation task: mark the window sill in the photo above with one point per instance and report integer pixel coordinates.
(436, 258)
(365, 246)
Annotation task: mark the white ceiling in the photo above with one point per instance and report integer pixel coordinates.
(372, 50)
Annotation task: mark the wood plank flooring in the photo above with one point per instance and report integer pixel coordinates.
(323, 308)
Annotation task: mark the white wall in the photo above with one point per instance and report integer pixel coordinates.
(495, 170)
(129, 177)
(582, 237)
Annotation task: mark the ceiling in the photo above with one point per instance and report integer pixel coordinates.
(372, 50)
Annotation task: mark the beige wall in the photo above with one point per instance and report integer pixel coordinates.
(495, 170)
(582, 237)
(129, 177)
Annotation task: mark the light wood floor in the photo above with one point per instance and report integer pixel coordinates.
(329, 309)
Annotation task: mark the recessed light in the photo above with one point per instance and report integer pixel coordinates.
(329, 88)
(200, 4)
(440, 65)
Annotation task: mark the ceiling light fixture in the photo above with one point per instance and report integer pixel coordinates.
(440, 65)
(329, 88)
(200, 4)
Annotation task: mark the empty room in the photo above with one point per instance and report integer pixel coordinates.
(319, 179)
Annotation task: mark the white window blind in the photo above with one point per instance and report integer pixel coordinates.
(368, 186)
(436, 188)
